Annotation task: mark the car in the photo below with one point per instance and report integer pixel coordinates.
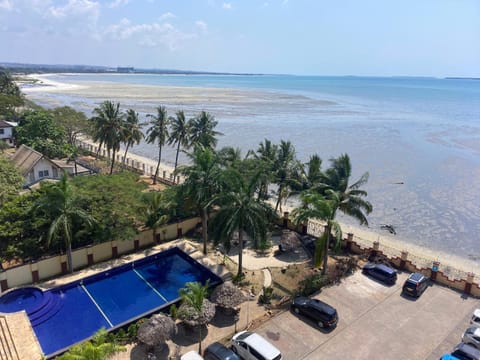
(415, 285)
(217, 351)
(449, 357)
(472, 336)
(381, 272)
(466, 352)
(475, 320)
(191, 355)
(252, 346)
(324, 315)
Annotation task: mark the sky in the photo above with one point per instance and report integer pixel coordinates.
(305, 37)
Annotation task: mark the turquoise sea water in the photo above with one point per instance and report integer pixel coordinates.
(419, 138)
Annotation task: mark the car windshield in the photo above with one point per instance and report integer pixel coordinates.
(244, 335)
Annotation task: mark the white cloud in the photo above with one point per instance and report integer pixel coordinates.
(227, 6)
(6, 4)
(201, 25)
(118, 3)
(167, 15)
(76, 8)
(149, 35)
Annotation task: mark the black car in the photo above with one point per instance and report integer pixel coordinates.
(415, 285)
(381, 272)
(217, 351)
(323, 314)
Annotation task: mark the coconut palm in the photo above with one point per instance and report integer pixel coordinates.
(179, 133)
(202, 183)
(285, 170)
(132, 132)
(196, 310)
(157, 211)
(240, 211)
(96, 349)
(60, 202)
(202, 130)
(108, 127)
(351, 197)
(321, 207)
(158, 132)
(267, 154)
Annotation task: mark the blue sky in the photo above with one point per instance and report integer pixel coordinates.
(316, 37)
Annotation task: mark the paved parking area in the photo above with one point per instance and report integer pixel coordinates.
(376, 322)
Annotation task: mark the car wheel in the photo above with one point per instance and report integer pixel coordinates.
(234, 349)
(297, 310)
(320, 324)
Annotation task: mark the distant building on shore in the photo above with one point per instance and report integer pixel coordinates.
(125, 69)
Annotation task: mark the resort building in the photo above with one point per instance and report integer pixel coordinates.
(35, 166)
(6, 132)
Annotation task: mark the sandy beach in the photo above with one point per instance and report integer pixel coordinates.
(227, 102)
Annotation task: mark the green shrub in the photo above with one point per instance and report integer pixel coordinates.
(266, 296)
(312, 284)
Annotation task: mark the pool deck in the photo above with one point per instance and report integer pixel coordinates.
(17, 338)
(182, 244)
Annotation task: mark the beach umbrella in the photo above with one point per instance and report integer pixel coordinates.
(156, 330)
(227, 295)
(193, 318)
(289, 240)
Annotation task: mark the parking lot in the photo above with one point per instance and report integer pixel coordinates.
(376, 322)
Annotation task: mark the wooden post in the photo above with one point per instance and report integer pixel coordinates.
(3, 281)
(136, 244)
(34, 270)
(468, 284)
(114, 249)
(89, 256)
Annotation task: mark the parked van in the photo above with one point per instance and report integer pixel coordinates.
(415, 285)
(252, 346)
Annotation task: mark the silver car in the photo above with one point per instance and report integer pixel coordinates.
(472, 336)
(475, 320)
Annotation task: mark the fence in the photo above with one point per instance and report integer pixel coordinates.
(41, 270)
(444, 274)
(133, 163)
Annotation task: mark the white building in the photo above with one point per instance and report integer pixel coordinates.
(6, 132)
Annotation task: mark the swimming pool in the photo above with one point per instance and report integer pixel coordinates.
(65, 315)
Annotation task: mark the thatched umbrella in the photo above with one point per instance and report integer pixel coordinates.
(191, 317)
(227, 295)
(289, 240)
(156, 330)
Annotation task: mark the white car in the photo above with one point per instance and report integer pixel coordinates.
(251, 346)
(475, 320)
(191, 355)
(472, 336)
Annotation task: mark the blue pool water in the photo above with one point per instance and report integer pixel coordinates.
(71, 313)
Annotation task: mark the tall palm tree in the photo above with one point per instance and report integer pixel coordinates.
(317, 206)
(241, 211)
(202, 184)
(98, 348)
(61, 203)
(285, 168)
(267, 154)
(132, 132)
(179, 133)
(108, 127)
(196, 306)
(351, 197)
(202, 130)
(157, 211)
(158, 132)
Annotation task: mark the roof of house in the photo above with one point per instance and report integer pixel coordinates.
(25, 158)
(5, 124)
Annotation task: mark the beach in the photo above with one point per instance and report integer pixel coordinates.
(413, 196)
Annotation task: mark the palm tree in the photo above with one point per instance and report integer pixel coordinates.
(158, 132)
(285, 168)
(60, 201)
(108, 127)
(132, 132)
(96, 349)
(179, 133)
(267, 154)
(317, 206)
(240, 211)
(195, 308)
(202, 184)
(351, 198)
(157, 211)
(202, 131)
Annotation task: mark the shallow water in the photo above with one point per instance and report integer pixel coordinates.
(417, 137)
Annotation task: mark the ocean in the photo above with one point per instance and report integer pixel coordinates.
(419, 138)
